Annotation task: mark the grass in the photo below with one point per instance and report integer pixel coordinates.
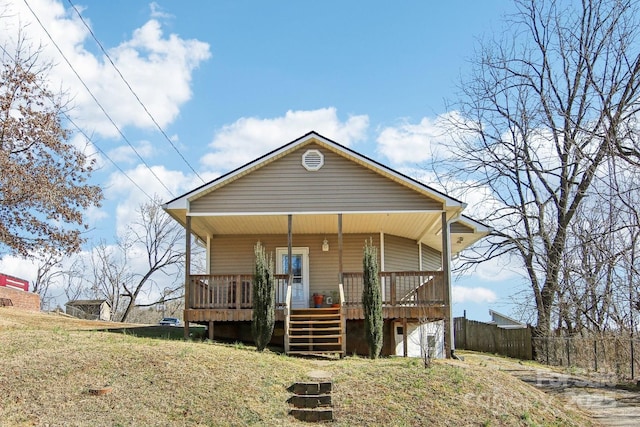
(48, 364)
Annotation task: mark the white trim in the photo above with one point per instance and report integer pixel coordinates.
(382, 251)
(382, 264)
(419, 255)
(208, 253)
(312, 167)
(305, 270)
(195, 214)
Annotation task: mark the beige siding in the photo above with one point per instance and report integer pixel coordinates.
(457, 227)
(400, 254)
(234, 255)
(286, 186)
(431, 259)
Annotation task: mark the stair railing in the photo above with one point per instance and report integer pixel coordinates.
(343, 321)
(287, 314)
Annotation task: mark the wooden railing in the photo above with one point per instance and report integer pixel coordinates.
(226, 291)
(399, 288)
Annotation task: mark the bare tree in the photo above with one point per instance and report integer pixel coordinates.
(43, 185)
(108, 271)
(157, 237)
(48, 272)
(543, 111)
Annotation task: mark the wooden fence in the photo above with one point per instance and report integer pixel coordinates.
(487, 338)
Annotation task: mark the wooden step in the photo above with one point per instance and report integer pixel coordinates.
(316, 310)
(315, 336)
(315, 316)
(314, 353)
(315, 331)
(320, 329)
(313, 322)
(307, 343)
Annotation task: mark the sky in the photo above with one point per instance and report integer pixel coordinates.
(201, 87)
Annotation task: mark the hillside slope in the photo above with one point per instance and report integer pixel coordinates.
(48, 364)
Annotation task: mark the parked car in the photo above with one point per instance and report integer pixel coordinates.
(170, 321)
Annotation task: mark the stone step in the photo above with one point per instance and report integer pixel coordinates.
(311, 388)
(310, 400)
(312, 415)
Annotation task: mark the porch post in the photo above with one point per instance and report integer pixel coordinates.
(340, 266)
(187, 274)
(405, 339)
(289, 250)
(446, 269)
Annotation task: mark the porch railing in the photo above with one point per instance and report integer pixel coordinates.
(400, 288)
(229, 291)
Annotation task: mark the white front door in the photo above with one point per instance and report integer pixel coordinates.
(300, 269)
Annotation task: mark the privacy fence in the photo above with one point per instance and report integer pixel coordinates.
(487, 338)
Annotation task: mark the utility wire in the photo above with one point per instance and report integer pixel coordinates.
(64, 113)
(96, 100)
(132, 91)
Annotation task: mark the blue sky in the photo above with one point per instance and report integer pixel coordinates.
(230, 80)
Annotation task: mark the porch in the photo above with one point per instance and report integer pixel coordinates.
(406, 295)
(229, 297)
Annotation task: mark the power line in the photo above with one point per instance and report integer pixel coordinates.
(96, 100)
(132, 91)
(89, 139)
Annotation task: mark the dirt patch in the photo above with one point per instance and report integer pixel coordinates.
(595, 395)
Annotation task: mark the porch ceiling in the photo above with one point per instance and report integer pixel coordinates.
(418, 226)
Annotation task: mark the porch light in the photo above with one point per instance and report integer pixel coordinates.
(325, 246)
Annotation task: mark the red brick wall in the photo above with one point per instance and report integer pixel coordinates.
(21, 299)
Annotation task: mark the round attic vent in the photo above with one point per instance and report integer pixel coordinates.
(312, 160)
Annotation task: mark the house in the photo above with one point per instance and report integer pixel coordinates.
(313, 203)
(95, 309)
(504, 322)
(14, 292)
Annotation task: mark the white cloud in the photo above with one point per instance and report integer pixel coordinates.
(148, 60)
(249, 138)
(473, 294)
(19, 267)
(415, 143)
(129, 197)
(158, 12)
(125, 153)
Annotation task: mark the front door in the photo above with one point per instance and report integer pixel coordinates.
(300, 269)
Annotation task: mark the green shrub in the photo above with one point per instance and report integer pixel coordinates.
(372, 300)
(264, 299)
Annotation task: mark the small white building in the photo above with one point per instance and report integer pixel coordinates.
(504, 322)
(422, 339)
(96, 309)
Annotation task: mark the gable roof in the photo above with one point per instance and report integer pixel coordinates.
(255, 198)
(88, 302)
(182, 202)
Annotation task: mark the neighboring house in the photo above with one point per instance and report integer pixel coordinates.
(313, 203)
(14, 292)
(504, 322)
(96, 309)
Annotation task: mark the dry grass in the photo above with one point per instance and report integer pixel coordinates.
(48, 364)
